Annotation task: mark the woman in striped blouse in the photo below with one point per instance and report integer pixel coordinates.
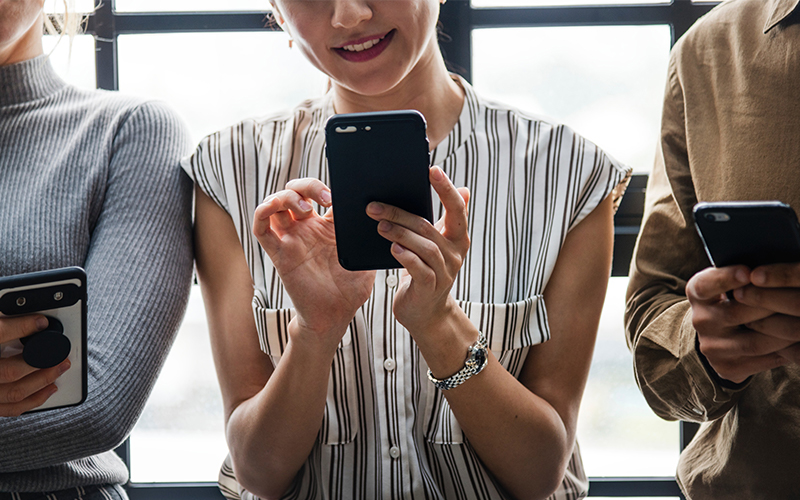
(324, 372)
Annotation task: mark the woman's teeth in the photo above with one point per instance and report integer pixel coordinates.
(362, 46)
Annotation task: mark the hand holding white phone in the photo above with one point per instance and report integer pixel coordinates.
(42, 340)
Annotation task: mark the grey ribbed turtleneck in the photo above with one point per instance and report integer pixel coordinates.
(91, 179)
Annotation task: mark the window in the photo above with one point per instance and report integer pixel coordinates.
(580, 67)
(589, 77)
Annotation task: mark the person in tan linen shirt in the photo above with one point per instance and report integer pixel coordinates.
(730, 131)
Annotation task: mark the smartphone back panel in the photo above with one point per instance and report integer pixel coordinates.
(382, 157)
(749, 233)
(60, 295)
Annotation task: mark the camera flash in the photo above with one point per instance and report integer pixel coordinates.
(718, 217)
(21, 301)
(58, 295)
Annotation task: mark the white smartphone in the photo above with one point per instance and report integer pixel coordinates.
(59, 295)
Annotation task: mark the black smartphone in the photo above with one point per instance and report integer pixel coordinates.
(59, 295)
(378, 156)
(753, 233)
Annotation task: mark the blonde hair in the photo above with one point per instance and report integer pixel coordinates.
(69, 22)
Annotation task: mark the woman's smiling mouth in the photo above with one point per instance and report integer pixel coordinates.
(365, 49)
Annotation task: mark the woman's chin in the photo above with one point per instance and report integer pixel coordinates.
(370, 86)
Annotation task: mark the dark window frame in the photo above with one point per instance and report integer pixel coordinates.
(458, 18)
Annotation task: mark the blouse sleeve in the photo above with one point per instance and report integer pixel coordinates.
(596, 174)
(206, 167)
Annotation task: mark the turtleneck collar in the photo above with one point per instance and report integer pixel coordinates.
(28, 81)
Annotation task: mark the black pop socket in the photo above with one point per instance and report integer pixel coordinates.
(48, 347)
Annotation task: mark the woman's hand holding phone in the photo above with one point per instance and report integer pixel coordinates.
(22, 387)
(432, 255)
(302, 246)
(756, 332)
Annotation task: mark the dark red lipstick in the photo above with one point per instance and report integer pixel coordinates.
(364, 54)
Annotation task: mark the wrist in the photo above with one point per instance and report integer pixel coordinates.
(445, 344)
(476, 360)
(716, 377)
(313, 341)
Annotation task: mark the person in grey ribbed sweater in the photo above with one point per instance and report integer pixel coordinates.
(90, 179)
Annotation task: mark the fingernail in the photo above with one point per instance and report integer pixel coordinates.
(384, 226)
(759, 276)
(738, 294)
(375, 208)
(264, 214)
(64, 367)
(53, 390)
(437, 173)
(741, 276)
(41, 322)
(325, 196)
(397, 248)
(304, 205)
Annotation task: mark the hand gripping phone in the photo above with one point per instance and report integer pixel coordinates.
(59, 295)
(378, 156)
(749, 233)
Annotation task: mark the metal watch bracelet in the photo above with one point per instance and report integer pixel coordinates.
(476, 361)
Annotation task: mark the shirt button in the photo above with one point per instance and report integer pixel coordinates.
(389, 364)
(391, 280)
(394, 452)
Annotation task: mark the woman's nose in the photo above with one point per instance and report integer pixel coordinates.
(349, 13)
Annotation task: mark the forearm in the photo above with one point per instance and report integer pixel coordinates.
(518, 435)
(272, 434)
(133, 316)
(668, 368)
(138, 264)
(658, 316)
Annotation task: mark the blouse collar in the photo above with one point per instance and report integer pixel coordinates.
(464, 127)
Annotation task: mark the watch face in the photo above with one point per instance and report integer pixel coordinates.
(480, 356)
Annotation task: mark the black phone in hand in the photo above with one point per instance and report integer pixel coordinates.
(752, 233)
(378, 156)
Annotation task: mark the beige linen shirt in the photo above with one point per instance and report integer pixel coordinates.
(730, 131)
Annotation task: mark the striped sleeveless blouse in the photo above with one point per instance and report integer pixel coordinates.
(387, 432)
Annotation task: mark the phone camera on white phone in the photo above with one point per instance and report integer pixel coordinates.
(717, 217)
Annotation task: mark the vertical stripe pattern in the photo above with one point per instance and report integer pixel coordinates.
(387, 432)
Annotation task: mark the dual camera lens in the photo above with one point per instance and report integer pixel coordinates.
(21, 300)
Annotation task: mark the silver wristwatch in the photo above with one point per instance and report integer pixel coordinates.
(476, 361)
